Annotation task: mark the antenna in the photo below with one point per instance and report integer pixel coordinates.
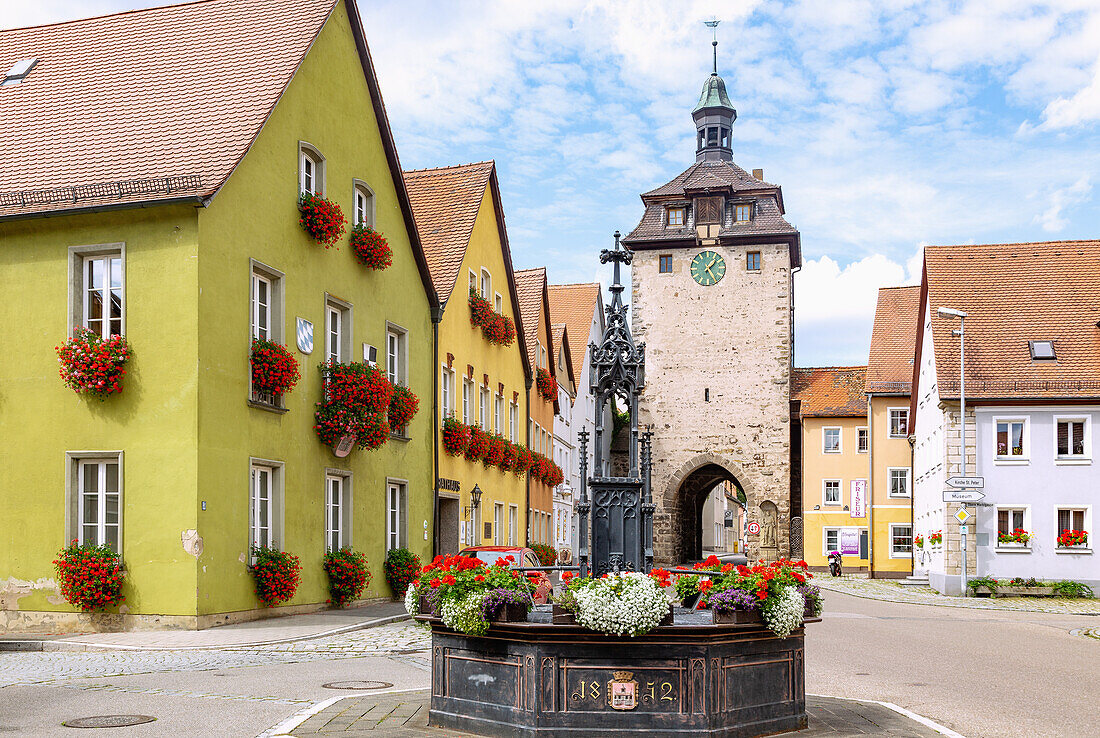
(712, 24)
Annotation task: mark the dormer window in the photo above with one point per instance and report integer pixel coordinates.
(742, 212)
(676, 217)
(311, 170)
(1042, 350)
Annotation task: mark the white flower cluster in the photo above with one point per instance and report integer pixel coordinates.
(784, 615)
(465, 614)
(412, 600)
(622, 604)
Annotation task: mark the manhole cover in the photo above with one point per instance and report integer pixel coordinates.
(356, 685)
(108, 721)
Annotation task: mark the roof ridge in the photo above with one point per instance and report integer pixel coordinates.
(470, 165)
(106, 15)
(1090, 241)
(900, 287)
(576, 284)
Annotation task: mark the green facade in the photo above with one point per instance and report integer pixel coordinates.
(183, 421)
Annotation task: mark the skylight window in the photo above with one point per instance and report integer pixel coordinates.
(1042, 349)
(19, 71)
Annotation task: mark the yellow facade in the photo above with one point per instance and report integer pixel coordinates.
(826, 511)
(891, 487)
(481, 383)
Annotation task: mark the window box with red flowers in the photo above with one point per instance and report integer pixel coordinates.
(525, 458)
(403, 407)
(1073, 541)
(276, 574)
(89, 577)
(935, 539)
(1018, 539)
(274, 371)
(456, 436)
(494, 454)
(370, 247)
(498, 329)
(355, 405)
(322, 219)
(546, 384)
(348, 575)
(478, 446)
(93, 366)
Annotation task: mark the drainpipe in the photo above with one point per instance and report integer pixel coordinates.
(527, 483)
(870, 487)
(437, 318)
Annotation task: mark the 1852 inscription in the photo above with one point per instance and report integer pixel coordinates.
(623, 692)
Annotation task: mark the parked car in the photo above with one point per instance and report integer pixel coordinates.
(523, 558)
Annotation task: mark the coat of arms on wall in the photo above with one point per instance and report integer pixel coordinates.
(305, 336)
(622, 691)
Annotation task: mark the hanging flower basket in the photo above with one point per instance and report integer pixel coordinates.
(554, 475)
(478, 446)
(918, 541)
(277, 574)
(93, 366)
(370, 247)
(89, 577)
(403, 407)
(322, 219)
(935, 539)
(456, 436)
(274, 368)
(547, 385)
(348, 575)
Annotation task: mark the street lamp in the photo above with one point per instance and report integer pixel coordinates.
(961, 333)
(475, 501)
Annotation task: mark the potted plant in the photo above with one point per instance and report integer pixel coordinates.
(782, 593)
(478, 446)
(468, 595)
(525, 458)
(983, 586)
(322, 219)
(918, 541)
(481, 312)
(277, 574)
(546, 553)
(494, 451)
(1073, 538)
(357, 398)
(274, 368)
(1017, 538)
(370, 247)
(89, 577)
(456, 436)
(401, 567)
(347, 574)
(935, 539)
(403, 407)
(629, 603)
(93, 366)
(546, 384)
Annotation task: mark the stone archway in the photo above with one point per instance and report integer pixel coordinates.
(686, 493)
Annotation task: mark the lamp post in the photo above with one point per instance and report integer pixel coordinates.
(961, 333)
(475, 502)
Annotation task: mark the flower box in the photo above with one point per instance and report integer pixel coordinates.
(1015, 592)
(426, 607)
(667, 619)
(738, 617)
(511, 613)
(563, 616)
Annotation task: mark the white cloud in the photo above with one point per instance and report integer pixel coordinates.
(1053, 218)
(1081, 108)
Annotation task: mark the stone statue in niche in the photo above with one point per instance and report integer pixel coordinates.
(769, 525)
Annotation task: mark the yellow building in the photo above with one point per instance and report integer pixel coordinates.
(889, 377)
(835, 447)
(481, 383)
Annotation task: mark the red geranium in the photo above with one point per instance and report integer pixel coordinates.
(357, 398)
(403, 406)
(347, 574)
(481, 312)
(322, 219)
(456, 436)
(547, 385)
(478, 446)
(494, 453)
(508, 459)
(402, 567)
(89, 577)
(524, 459)
(274, 368)
(91, 365)
(1073, 538)
(370, 247)
(277, 574)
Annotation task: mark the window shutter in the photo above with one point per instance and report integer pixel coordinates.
(708, 210)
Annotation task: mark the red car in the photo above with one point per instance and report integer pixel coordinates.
(524, 557)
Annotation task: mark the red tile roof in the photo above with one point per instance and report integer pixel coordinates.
(893, 340)
(575, 305)
(560, 336)
(830, 391)
(445, 202)
(1013, 294)
(531, 288)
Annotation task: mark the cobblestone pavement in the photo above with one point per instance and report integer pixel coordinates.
(890, 591)
(400, 641)
(406, 716)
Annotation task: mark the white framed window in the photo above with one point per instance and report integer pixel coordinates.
(96, 500)
(498, 414)
(266, 306)
(513, 524)
(397, 360)
(513, 412)
(901, 541)
(467, 399)
(830, 440)
(1012, 443)
(898, 481)
(1073, 438)
(486, 284)
(103, 295)
(261, 307)
(863, 440)
(396, 514)
(337, 330)
(830, 491)
(472, 281)
(498, 304)
(447, 377)
(498, 517)
(899, 422)
(265, 503)
(363, 199)
(1011, 518)
(311, 170)
(830, 540)
(483, 408)
(338, 508)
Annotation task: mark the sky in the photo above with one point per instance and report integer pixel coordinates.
(890, 124)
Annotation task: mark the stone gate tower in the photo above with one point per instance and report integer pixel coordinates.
(712, 300)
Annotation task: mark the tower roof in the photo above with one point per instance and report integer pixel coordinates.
(713, 95)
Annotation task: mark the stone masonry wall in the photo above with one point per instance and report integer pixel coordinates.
(733, 338)
(952, 536)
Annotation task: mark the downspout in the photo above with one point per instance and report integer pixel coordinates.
(527, 484)
(437, 318)
(870, 487)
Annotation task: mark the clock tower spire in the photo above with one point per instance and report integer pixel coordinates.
(714, 114)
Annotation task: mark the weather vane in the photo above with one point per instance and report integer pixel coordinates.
(712, 24)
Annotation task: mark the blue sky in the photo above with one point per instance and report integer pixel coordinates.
(890, 124)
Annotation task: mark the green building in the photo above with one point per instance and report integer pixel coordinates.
(152, 171)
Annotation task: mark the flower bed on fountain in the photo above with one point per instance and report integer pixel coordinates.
(467, 594)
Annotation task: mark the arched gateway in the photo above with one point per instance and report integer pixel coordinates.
(712, 297)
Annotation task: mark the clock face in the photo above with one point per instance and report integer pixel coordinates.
(708, 267)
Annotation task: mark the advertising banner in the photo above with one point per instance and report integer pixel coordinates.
(849, 541)
(859, 498)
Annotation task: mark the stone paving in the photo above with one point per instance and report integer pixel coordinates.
(406, 715)
(890, 591)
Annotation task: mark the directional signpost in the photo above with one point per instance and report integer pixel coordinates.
(962, 516)
(962, 495)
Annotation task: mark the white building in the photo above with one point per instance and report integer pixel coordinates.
(564, 443)
(580, 308)
(1032, 391)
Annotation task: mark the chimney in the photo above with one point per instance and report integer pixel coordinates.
(759, 174)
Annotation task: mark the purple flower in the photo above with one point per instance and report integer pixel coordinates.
(498, 598)
(733, 599)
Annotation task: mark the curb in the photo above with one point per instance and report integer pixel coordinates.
(901, 711)
(58, 645)
(959, 604)
(286, 727)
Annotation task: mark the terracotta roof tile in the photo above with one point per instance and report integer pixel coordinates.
(893, 340)
(830, 391)
(171, 92)
(531, 289)
(1012, 294)
(575, 305)
(708, 174)
(445, 203)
